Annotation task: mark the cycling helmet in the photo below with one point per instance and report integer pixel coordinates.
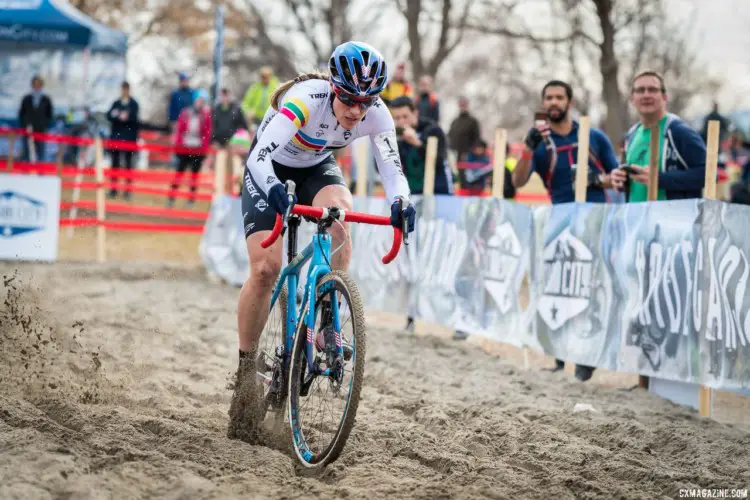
(358, 69)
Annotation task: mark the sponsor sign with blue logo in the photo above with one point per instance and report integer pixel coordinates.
(29, 217)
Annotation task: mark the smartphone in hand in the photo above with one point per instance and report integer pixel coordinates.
(540, 117)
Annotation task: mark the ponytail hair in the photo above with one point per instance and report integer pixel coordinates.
(279, 93)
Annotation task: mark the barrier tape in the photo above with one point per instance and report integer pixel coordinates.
(138, 210)
(133, 226)
(106, 143)
(153, 177)
(135, 189)
(119, 173)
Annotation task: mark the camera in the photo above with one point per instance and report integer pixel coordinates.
(399, 131)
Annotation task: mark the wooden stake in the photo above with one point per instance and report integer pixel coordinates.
(429, 166)
(498, 170)
(582, 171)
(652, 195)
(238, 169)
(100, 203)
(653, 164)
(362, 168)
(220, 166)
(712, 160)
(705, 394)
(80, 163)
(59, 159)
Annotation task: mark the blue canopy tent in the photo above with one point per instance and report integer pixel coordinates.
(56, 23)
(82, 62)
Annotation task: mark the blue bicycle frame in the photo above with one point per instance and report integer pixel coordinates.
(319, 250)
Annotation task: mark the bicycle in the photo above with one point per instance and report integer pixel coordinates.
(289, 366)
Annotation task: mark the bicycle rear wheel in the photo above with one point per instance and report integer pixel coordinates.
(322, 409)
(270, 365)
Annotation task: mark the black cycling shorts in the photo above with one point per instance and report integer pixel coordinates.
(258, 216)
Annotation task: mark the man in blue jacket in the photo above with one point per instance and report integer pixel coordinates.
(682, 152)
(181, 98)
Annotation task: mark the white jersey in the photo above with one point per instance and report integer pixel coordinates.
(304, 131)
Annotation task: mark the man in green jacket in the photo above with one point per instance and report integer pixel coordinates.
(258, 96)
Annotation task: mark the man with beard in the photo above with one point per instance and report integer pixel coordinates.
(551, 150)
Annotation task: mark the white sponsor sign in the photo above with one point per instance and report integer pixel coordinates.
(29, 217)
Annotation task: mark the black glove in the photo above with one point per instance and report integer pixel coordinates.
(408, 212)
(533, 138)
(278, 198)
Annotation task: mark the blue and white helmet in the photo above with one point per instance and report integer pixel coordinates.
(358, 69)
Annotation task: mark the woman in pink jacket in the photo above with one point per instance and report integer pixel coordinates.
(193, 132)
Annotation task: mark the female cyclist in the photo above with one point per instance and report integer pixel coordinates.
(309, 118)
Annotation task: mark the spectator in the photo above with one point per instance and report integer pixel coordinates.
(682, 152)
(123, 115)
(181, 98)
(35, 115)
(475, 182)
(226, 119)
(193, 132)
(428, 103)
(413, 132)
(551, 150)
(464, 131)
(724, 124)
(258, 96)
(398, 86)
(88, 127)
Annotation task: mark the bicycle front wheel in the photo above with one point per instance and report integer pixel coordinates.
(322, 408)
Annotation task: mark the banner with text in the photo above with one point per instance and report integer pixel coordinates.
(658, 289)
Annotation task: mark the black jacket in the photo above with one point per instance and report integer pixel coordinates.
(464, 133)
(38, 117)
(226, 121)
(124, 130)
(413, 160)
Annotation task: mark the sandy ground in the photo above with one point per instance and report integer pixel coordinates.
(112, 385)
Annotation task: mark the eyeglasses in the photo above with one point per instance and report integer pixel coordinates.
(351, 101)
(648, 90)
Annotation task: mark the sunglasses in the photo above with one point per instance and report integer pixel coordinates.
(351, 101)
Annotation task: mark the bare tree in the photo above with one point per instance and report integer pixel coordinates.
(633, 33)
(450, 23)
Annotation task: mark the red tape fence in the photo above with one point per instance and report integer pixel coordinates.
(106, 143)
(132, 181)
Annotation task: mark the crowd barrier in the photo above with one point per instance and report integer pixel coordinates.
(585, 271)
(611, 286)
(654, 288)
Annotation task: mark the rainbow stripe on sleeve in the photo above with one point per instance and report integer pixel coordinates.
(297, 111)
(304, 141)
